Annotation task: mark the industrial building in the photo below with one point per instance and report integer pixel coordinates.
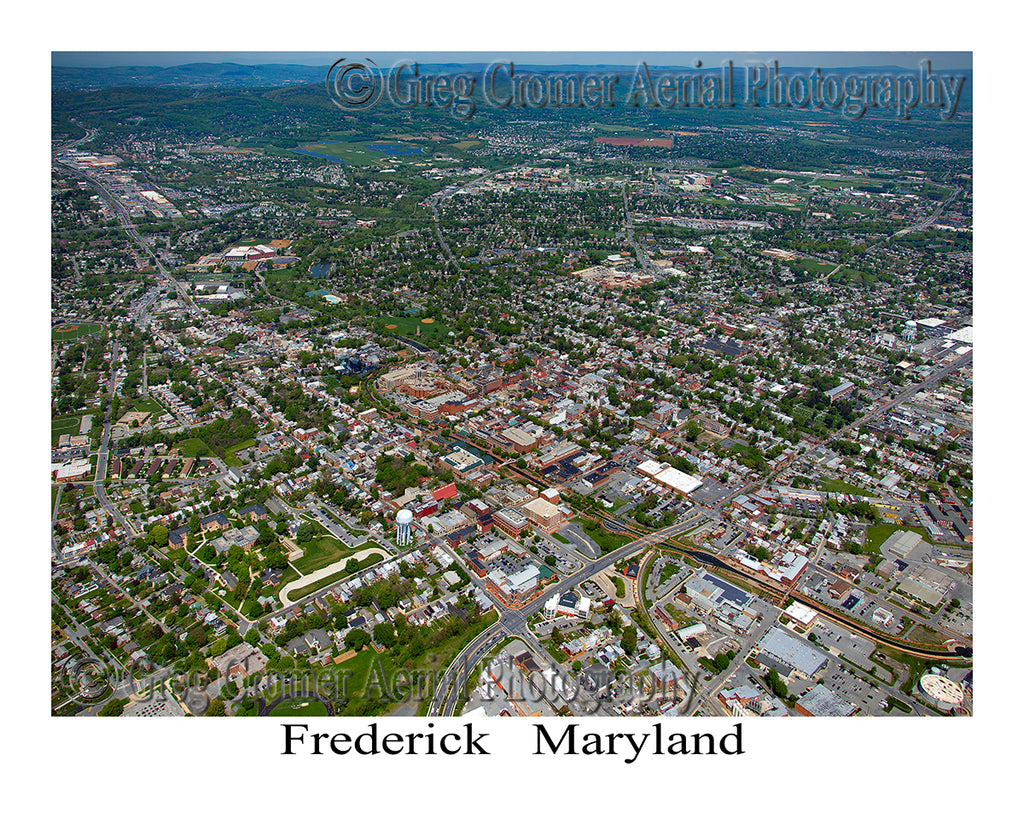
(824, 702)
(730, 605)
(677, 480)
(791, 652)
(901, 543)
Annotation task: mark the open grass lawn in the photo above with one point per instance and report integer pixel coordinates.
(607, 541)
(744, 449)
(350, 153)
(194, 448)
(147, 405)
(849, 182)
(846, 210)
(814, 267)
(924, 634)
(830, 485)
(287, 576)
(368, 670)
(604, 126)
(875, 536)
(299, 593)
(855, 277)
(715, 200)
(320, 552)
(299, 708)
(365, 674)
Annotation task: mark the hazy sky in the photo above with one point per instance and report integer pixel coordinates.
(941, 60)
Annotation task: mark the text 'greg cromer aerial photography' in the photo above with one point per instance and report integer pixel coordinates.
(513, 385)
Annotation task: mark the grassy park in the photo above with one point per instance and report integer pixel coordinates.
(843, 488)
(299, 593)
(319, 552)
(429, 329)
(147, 405)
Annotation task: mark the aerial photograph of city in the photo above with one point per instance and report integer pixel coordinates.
(523, 399)
(481, 386)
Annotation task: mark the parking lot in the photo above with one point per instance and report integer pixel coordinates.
(710, 492)
(831, 636)
(565, 563)
(350, 540)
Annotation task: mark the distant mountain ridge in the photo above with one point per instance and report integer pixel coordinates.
(193, 75)
(234, 75)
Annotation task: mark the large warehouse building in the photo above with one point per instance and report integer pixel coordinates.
(675, 479)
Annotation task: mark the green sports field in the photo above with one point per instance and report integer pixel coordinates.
(71, 331)
(406, 326)
(65, 425)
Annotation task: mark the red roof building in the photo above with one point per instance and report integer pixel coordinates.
(445, 492)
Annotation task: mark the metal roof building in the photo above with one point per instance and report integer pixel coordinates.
(824, 702)
(670, 476)
(901, 543)
(715, 590)
(786, 648)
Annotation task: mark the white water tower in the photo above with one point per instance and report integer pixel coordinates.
(404, 521)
